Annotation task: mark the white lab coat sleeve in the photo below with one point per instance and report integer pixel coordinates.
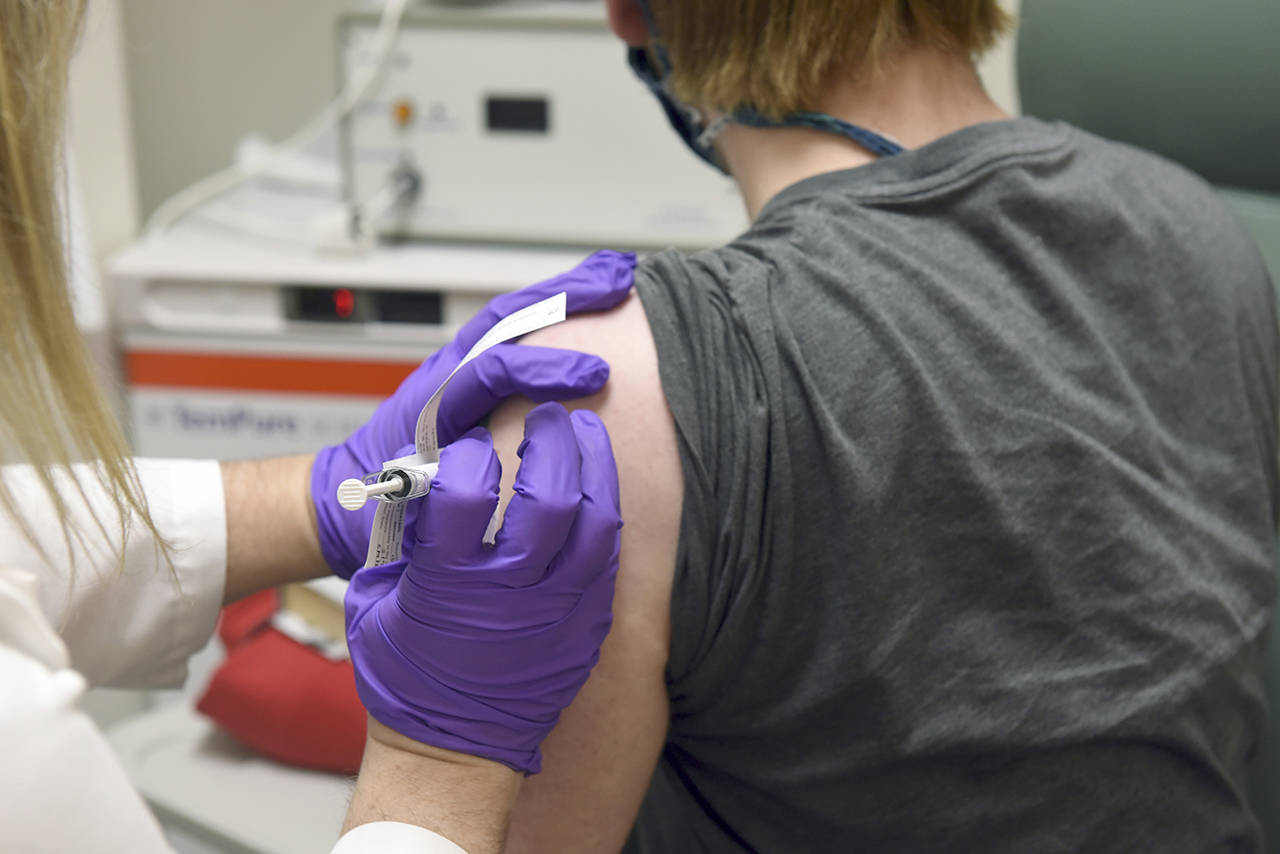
(130, 623)
(62, 788)
(393, 837)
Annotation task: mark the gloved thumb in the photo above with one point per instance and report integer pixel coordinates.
(453, 516)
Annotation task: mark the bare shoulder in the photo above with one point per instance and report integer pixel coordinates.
(598, 760)
(632, 407)
(620, 336)
(641, 430)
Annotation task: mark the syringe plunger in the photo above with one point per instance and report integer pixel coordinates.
(353, 493)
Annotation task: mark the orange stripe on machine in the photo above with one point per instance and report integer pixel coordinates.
(230, 372)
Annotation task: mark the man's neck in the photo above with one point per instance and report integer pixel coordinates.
(922, 95)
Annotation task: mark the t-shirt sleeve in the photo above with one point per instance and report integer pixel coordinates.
(712, 375)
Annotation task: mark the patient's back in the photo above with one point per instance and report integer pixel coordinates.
(979, 446)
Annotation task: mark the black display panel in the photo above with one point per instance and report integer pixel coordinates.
(409, 307)
(522, 115)
(361, 305)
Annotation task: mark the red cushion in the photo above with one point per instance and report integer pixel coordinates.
(241, 619)
(287, 701)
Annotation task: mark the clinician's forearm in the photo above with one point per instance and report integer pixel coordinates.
(271, 525)
(463, 798)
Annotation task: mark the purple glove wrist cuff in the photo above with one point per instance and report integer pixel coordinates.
(329, 527)
(469, 726)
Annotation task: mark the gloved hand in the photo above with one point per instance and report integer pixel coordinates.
(476, 648)
(538, 373)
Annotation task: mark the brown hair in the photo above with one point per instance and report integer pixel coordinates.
(52, 411)
(775, 55)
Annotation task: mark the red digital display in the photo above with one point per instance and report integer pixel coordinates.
(350, 306)
(344, 302)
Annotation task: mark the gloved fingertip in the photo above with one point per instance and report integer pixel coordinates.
(455, 513)
(599, 468)
(549, 428)
(544, 373)
(469, 461)
(550, 412)
(589, 374)
(624, 271)
(547, 423)
(616, 259)
(477, 434)
(588, 425)
(621, 276)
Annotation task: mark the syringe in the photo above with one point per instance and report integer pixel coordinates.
(393, 485)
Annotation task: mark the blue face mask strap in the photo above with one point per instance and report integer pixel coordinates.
(685, 121)
(655, 41)
(878, 144)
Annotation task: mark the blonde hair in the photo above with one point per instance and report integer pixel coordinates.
(52, 410)
(776, 55)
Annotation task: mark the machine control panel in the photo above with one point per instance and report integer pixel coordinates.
(327, 304)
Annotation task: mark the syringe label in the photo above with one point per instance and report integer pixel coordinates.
(388, 534)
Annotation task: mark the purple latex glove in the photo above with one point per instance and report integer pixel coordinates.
(478, 648)
(538, 373)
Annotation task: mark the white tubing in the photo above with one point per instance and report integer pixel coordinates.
(184, 201)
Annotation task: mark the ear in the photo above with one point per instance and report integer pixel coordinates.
(627, 22)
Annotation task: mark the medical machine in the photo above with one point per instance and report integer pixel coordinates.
(521, 122)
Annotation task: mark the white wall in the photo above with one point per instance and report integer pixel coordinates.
(203, 73)
(101, 133)
(102, 201)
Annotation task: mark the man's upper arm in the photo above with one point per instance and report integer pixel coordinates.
(598, 760)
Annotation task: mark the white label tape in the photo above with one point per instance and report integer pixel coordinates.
(388, 521)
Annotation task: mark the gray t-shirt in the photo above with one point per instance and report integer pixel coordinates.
(976, 555)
